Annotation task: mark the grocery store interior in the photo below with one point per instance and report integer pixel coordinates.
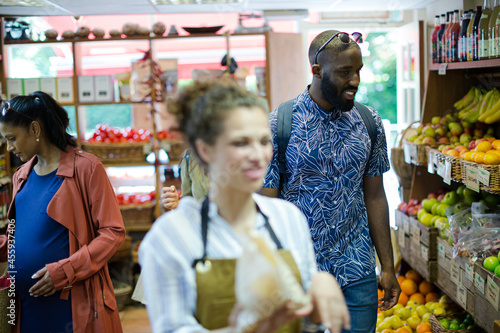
(431, 70)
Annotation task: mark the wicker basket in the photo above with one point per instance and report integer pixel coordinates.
(135, 252)
(123, 292)
(436, 327)
(416, 152)
(174, 149)
(117, 152)
(456, 168)
(137, 214)
(123, 251)
(494, 171)
(403, 170)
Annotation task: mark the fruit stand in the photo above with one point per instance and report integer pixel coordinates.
(446, 231)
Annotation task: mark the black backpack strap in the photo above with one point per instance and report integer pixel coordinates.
(283, 132)
(369, 121)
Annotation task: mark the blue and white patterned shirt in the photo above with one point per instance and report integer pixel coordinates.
(326, 160)
(167, 253)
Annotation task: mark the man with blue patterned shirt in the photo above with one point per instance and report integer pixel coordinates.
(335, 178)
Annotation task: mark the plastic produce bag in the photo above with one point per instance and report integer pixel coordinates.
(485, 216)
(481, 242)
(460, 224)
(263, 282)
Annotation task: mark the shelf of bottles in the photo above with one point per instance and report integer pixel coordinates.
(472, 36)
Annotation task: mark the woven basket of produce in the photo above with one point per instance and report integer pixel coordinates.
(123, 251)
(174, 149)
(117, 152)
(455, 323)
(123, 291)
(137, 214)
(494, 175)
(403, 170)
(416, 153)
(456, 168)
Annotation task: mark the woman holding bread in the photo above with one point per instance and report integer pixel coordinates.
(188, 258)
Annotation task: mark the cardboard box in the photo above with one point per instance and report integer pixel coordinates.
(86, 89)
(14, 88)
(31, 85)
(103, 85)
(65, 90)
(49, 86)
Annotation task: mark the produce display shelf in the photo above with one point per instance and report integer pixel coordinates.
(467, 65)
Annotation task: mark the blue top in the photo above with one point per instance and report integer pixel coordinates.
(326, 160)
(39, 240)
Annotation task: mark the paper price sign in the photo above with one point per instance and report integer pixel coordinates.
(492, 292)
(447, 172)
(455, 272)
(424, 253)
(469, 272)
(415, 233)
(401, 238)
(441, 251)
(471, 180)
(479, 283)
(462, 296)
(442, 69)
(399, 218)
(406, 224)
(483, 176)
(430, 164)
(406, 150)
(441, 171)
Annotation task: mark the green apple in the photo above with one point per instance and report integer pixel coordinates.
(427, 219)
(441, 210)
(420, 212)
(459, 207)
(450, 198)
(434, 209)
(428, 203)
(490, 263)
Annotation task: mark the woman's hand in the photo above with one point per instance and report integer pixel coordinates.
(280, 317)
(330, 309)
(45, 286)
(169, 197)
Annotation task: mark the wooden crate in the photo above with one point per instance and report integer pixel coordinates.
(425, 236)
(445, 284)
(484, 313)
(428, 269)
(404, 244)
(445, 252)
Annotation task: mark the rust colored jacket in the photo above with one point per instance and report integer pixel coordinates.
(86, 205)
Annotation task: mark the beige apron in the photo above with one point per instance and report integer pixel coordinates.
(215, 286)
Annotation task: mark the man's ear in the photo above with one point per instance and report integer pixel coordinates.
(316, 71)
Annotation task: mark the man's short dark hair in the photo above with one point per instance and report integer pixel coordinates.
(332, 49)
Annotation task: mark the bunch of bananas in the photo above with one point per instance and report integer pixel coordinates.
(479, 105)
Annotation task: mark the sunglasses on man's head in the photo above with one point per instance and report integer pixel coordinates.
(5, 107)
(344, 38)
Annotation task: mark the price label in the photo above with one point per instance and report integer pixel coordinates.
(469, 272)
(424, 253)
(401, 238)
(430, 159)
(471, 180)
(483, 176)
(406, 224)
(447, 172)
(399, 218)
(441, 251)
(440, 169)
(492, 292)
(455, 272)
(442, 69)
(413, 152)
(415, 232)
(462, 296)
(407, 153)
(479, 283)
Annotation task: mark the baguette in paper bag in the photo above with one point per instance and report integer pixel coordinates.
(264, 282)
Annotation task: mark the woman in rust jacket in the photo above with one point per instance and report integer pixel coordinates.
(64, 225)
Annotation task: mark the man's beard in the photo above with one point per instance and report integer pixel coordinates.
(331, 95)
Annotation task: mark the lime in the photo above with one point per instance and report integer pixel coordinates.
(445, 322)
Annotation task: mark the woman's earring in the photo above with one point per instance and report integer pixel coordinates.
(37, 140)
